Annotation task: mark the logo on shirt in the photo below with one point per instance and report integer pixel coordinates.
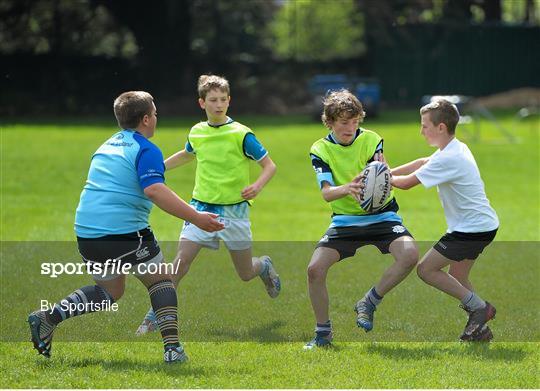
(142, 253)
(119, 136)
(398, 229)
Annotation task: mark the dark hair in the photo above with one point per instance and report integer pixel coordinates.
(442, 112)
(341, 104)
(208, 83)
(131, 107)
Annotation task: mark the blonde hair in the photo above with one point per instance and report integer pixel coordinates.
(341, 104)
(208, 83)
(130, 108)
(442, 111)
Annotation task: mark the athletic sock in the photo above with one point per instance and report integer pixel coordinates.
(373, 297)
(264, 267)
(165, 305)
(324, 329)
(90, 298)
(473, 302)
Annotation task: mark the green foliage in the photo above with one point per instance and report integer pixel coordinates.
(63, 26)
(318, 30)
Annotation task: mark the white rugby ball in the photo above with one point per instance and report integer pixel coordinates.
(377, 187)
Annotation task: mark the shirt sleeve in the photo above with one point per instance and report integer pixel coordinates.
(189, 147)
(378, 149)
(322, 170)
(253, 149)
(436, 171)
(150, 167)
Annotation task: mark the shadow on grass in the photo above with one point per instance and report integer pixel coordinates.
(484, 351)
(263, 333)
(123, 365)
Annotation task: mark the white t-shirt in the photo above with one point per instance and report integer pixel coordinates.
(461, 189)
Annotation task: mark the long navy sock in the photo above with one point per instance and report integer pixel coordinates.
(82, 301)
(165, 305)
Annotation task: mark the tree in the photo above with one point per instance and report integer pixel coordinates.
(318, 30)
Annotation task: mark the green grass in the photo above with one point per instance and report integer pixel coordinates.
(277, 365)
(237, 337)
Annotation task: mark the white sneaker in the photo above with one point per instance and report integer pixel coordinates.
(270, 277)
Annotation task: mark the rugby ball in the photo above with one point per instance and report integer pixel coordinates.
(377, 187)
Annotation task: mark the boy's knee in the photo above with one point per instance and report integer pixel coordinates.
(423, 271)
(409, 257)
(315, 273)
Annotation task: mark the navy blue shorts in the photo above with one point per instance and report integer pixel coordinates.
(458, 246)
(346, 240)
(131, 248)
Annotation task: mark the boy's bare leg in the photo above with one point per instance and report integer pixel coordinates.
(405, 254)
(430, 271)
(186, 254)
(461, 270)
(247, 267)
(321, 261)
(480, 311)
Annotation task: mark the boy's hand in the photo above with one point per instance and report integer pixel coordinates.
(208, 222)
(251, 191)
(354, 188)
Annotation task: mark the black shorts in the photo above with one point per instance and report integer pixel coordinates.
(458, 246)
(132, 248)
(346, 240)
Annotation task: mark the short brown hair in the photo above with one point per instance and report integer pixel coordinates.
(442, 111)
(130, 108)
(208, 83)
(341, 104)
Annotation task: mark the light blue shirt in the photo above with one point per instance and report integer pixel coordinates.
(113, 200)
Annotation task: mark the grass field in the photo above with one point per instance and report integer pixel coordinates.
(236, 336)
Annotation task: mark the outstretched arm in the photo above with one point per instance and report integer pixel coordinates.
(268, 171)
(331, 193)
(410, 167)
(178, 159)
(404, 182)
(168, 201)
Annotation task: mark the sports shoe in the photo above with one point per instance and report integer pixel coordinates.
(42, 332)
(364, 314)
(319, 341)
(148, 325)
(269, 277)
(484, 335)
(477, 320)
(175, 354)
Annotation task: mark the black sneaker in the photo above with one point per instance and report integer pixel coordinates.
(477, 320)
(484, 335)
(42, 332)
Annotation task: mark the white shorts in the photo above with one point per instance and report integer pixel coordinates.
(236, 234)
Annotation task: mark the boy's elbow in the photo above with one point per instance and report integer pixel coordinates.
(152, 191)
